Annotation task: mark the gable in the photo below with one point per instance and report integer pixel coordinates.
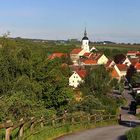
(102, 60)
(127, 62)
(75, 76)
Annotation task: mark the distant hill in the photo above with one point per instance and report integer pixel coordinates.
(104, 42)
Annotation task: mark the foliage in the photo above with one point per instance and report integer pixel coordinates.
(130, 73)
(135, 79)
(97, 90)
(30, 84)
(133, 134)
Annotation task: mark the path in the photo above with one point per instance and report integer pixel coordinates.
(104, 133)
(111, 132)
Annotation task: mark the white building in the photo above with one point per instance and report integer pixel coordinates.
(133, 54)
(78, 52)
(121, 69)
(127, 61)
(77, 78)
(102, 60)
(85, 42)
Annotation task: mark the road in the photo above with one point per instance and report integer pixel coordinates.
(111, 132)
(104, 133)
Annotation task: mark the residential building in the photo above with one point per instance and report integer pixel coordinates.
(121, 69)
(77, 77)
(133, 54)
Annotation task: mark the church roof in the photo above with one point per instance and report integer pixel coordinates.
(85, 35)
(85, 38)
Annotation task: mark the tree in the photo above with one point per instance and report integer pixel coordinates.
(130, 72)
(97, 81)
(135, 79)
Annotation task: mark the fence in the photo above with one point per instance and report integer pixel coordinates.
(31, 123)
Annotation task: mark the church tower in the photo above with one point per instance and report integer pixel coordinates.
(85, 42)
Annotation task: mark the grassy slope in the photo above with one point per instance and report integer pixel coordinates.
(133, 134)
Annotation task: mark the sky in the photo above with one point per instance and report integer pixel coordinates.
(113, 20)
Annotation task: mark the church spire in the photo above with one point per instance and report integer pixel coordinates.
(85, 33)
(85, 42)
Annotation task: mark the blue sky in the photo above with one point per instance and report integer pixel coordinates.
(115, 20)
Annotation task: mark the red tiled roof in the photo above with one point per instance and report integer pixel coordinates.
(114, 73)
(138, 53)
(137, 66)
(95, 56)
(87, 54)
(89, 62)
(57, 55)
(76, 51)
(134, 61)
(81, 73)
(108, 63)
(132, 52)
(122, 67)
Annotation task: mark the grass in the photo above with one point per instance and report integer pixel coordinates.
(14, 134)
(49, 133)
(118, 46)
(133, 134)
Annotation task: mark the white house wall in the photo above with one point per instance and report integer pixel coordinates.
(121, 73)
(127, 62)
(102, 60)
(75, 80)
(118, 71)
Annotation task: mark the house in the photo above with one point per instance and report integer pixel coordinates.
(119, 59)
(121, 69)
(75, 55)
(115, 74)
(137, 66)
(133, 54)
(57, 55)
(134, 61)
(77, 77)
(127, 61)
(122, 59)
(99, 57)
(110, 63)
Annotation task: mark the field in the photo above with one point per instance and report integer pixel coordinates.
(118, 46)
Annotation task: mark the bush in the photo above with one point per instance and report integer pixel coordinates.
(133, 134)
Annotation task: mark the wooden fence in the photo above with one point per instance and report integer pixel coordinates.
(9, 126)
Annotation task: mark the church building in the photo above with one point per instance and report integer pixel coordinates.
(78, 52)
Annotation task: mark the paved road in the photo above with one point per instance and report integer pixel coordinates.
(111, 132)
(104, 133)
